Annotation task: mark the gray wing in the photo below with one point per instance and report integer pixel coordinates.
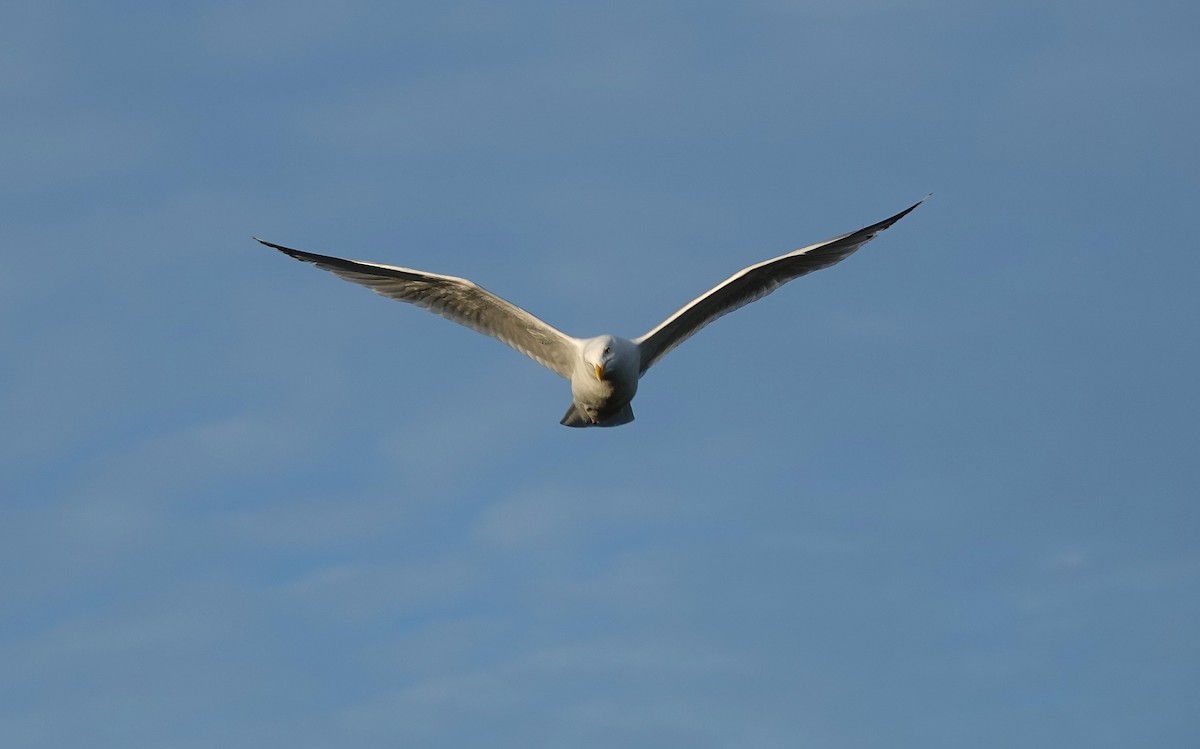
(753, 283)
(456, 299)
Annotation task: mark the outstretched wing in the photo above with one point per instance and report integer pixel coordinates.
(750, 284)
(456, 299)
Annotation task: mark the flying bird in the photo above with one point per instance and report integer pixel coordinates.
(604, 370)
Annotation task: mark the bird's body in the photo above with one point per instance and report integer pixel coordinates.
(604, 370)
(603, 382)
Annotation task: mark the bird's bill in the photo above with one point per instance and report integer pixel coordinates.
(599, 371)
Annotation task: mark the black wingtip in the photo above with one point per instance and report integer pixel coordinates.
(297, 254)
(910, 209)
(889, 221)
(272, 245)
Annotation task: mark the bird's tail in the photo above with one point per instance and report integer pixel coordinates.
(577, 418)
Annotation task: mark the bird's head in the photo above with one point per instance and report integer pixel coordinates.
(600, 354)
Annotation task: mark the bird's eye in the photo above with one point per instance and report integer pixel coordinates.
(607, 350)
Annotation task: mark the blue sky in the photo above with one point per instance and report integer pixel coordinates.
(943, 494)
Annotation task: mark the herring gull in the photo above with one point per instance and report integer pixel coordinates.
(604, 370)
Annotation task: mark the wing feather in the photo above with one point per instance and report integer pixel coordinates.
(457, 299)
(751, 284)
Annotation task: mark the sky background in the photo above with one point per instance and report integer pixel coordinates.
(942, 495)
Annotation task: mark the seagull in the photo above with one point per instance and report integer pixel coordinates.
(604, 370)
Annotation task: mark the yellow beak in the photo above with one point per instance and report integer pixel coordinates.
(599, 371)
